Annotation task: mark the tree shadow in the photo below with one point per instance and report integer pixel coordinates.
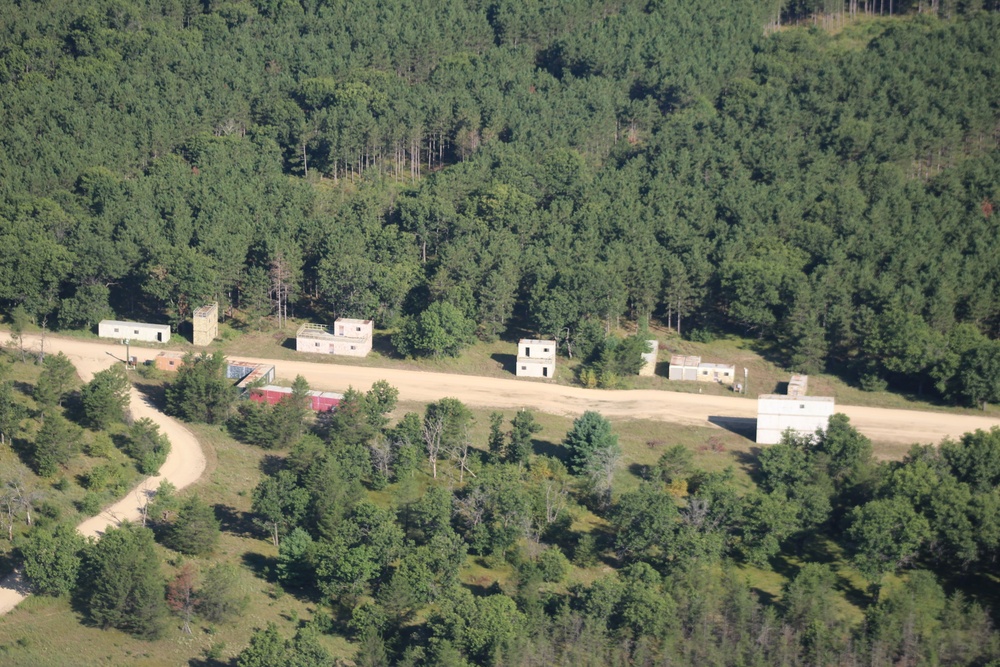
(382, 343)
(25, 388)
(154, 394)
(263, 566)
(507, 361)
(640, 470)
(288, 343)
(25, 451)
(745, 427)
(749, 463)
(209, 662)
(236, 522)
(271, 465)
(551, 449)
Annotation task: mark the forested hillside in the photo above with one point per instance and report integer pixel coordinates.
(553, 168)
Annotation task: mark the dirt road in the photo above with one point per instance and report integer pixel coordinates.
(880, 424)
(184, 464)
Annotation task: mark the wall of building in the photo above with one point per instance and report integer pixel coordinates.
(777, 414)
(721, 374)
(346, 347)
(649, 360)
(535, 369)
(205, 324)
(135, 331)
(536, 349)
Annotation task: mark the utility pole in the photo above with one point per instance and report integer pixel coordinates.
(746, 382)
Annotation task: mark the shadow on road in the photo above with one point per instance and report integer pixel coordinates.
(742, 426)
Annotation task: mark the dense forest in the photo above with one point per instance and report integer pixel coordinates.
(550, 169)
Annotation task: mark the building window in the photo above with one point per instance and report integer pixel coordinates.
(726, 373)
(524, 368)
(317, 344)
(136, 332)
(802, 406)
(353, 348)
(704, 372)
(545, 349)
(116, 329)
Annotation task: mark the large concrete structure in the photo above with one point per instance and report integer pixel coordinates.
(536, 358)
(347, 337)
(135, 331)
(802, 414)
(683, 367)
(206, 324)
(649, 359)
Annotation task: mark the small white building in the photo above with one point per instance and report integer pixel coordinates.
(649, 359)
(802, 414)
(536, 358)
(721, 373)
(137, 331)
(684, 367)
(347, 337)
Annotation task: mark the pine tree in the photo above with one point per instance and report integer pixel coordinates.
(125, 585)
(195, 531)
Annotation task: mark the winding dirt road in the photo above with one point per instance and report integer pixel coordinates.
(184, 464)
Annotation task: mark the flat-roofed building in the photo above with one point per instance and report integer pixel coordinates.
(649, 358)
(169, 361)
(136, 331)
(684, 367)
(347, 337)
(802, 414)
(536, 358)
(721, 373)
(205, 323)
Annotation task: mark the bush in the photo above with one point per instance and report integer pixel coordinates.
(553, 565)
(90, 504)
(195, 531)
(700, 336)
(147, 446)
(220, 598)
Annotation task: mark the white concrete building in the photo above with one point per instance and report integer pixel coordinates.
(684, 367)
(134, 331)
(536, 358)
(649, 359)
(347, 337)
(802, 414)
